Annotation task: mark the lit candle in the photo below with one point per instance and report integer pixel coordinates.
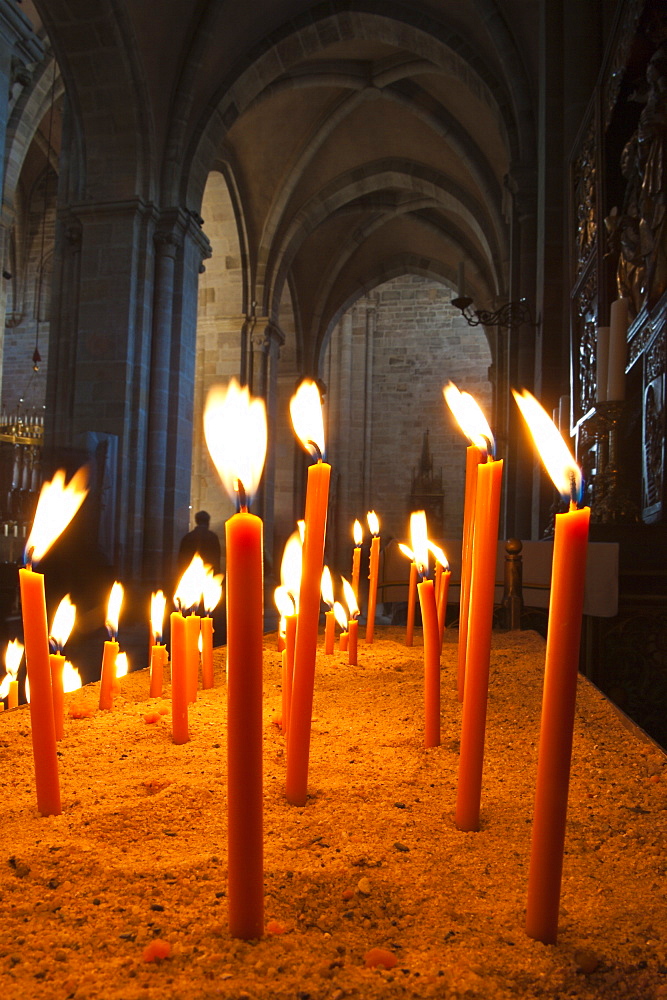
(342, 619)
(61, 629)
(412, 594)
(9, 688)
(57, 505)
(472, 421)
(618, 349)
(306, 413)
(211, 597)
(426, 594)
(180, 732)
(358, 535)
(236, 434)
(353, 622)
(157, 661)
(287, 608)
(108, 675)
(192, 657)
(560, 677)
(478, 652)
(442, 587)
(326, 590)
(373, 570)
(290, 575)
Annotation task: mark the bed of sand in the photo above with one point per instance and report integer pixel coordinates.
(373, 860)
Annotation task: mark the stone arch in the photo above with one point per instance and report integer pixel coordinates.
(309, 33)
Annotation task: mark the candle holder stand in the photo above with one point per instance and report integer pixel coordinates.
(611, 501)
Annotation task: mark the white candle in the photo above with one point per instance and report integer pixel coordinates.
(602, 363)
(618, 350)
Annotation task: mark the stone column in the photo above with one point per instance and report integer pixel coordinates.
(19, 48)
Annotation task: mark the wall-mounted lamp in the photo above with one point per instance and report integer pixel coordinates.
(510, 316)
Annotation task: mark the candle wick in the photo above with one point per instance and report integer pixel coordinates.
(29, 557)
(316, 449)
(242, 496)
(573, 491)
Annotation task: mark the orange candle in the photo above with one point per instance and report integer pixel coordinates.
(57, 664)
(108, 674)
(560, 678)
(474, 456)
(298, 747)
(58, 503)
(412, 601)
(245, 626)
(61, 629)
(426, 593)
(353, 623)
(207, 651)
(329, 618)
(179, 687)
(357, 532)
(158, 660)
(236, 434)
(343, 642)
(373, 569)
(290, 636)
(442, 602)
(192, 630)
(9, 687)
(474, 425)
(306, 412)
(33, 609)
(475, 696)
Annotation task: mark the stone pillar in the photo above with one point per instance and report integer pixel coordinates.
(266, 343)
(19, 48)
(371, 317)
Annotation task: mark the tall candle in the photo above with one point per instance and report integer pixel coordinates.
(192, 658)
(158, 653)
(306, 411)
(373, 571)
(236, 434)
(180, 731)
(290, 636)
(329, 619)
(560, 679)
(475, 695)
(353, 623)
(356, 557)
(61, 629)
(473, 423)
(211, 597)
(42, 724)
(108, 674)
(426, 594)
(618, 349)
(245, 625)
(442, 586)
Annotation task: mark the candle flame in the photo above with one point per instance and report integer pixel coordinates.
(419, 539)
(211, 591)
(158, 606)
(290, 567)
(307, 420)
(340, 616)
(284, 601)
(350, 598)
(57, 505)
(553, 451)
(407, 551)
(373, 522)
(357, 532)
(63, 622)
(71, 677)
(438, 555)
(113, 608)
(191, 585)
(13, 657)
(236, 436)
(470, 418)
(301, 528)
(326, 587)
(122, 665)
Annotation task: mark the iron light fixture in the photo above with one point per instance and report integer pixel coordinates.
(510, 315)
